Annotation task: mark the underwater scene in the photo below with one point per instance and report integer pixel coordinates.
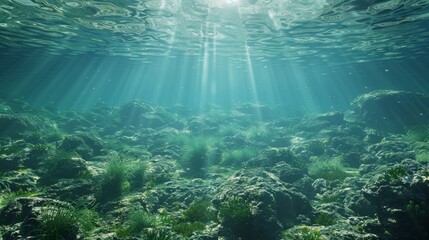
(214, 119)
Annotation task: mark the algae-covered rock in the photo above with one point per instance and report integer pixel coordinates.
(272, 203)
(400, 197)
(85, 144)
(257, 111)
(33, 217)
(14, 125)
(391, 151)
(391, 110)
(131, 113)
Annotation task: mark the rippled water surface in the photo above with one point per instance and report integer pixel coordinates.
(360, 30)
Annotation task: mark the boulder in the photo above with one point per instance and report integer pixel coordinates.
(257, 111)
(131, 113)
(273, 204)
(14, 125)
(391, 110)
(85, 144)
(401, 200)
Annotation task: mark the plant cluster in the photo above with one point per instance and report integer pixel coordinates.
(138, 222)
(302, 233)
(328, 168)
(236, 157)
(114, 180)
(235, 213)
(195, 218)
(195, 159)
(64, 222)
(394, 173)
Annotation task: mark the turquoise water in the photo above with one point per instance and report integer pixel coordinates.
(308, 55)
(214, 119)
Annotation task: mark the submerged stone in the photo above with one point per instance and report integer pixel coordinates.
(391, 110)
(273, 204)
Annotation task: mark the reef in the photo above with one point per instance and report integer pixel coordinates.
(142, 171)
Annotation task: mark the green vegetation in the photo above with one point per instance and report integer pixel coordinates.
(328, 168)
(316, 147)
(114, 179)
(64, 164)
(187, 228)
(158, 234)
(418, 133)
(302, 233)
(138, 174)
(65, 222)
(418, 137)
(229, 130)
(237, 157)
(200, 211)
(416, 209)
(195, 159)
(195, 218)
(6, 196)
(395, 173)
(325, 219)
(137, 223)
(259, 133)
(235, 213)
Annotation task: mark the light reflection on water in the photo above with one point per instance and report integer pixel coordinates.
(361, 30)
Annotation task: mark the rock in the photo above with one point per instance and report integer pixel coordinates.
(63, 167)
(401, 201)
(287, 173)
(273, 204)
(151, 120)
(131, 113)
(391, 151)
(15, 181)
(271, 156)
(71, 190)
(334, 118)
(14, 125)
(257, 111)
(391, 110)
(86, 144)
(21, 215)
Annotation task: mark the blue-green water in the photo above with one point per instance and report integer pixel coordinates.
(308, 55)
(214, 119)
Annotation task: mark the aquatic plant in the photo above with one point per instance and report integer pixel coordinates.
(138, 174)
(259, 133)
(137, 222)
(158, 234)
(237, 157)
(325, 219)
(327, 168)
(140, 220)
(316, 147)
(113, 179)
(229, 130)
(200, 211)
(58, 223)
(235, 213)
(194, 159)
(302, 233)
(418, 136)
(194, 218)
(394, 173)
(7, 196)
(416, 209)
(186, 229)
(63, 164)
(419, 133)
